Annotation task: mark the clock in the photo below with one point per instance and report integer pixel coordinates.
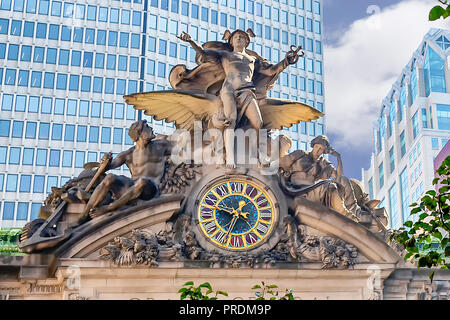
(236, 214)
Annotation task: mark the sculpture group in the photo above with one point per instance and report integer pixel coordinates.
(226, 91)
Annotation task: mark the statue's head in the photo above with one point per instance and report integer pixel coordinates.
(237, 36)
(321, 142)
(140, 129)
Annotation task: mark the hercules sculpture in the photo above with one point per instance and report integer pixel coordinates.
(146, 161)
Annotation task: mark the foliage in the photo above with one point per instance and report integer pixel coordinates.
(427, 240)
(8, 241)
(440, 11)
(261, 293)
(195, 293)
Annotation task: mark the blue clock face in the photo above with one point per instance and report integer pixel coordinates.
(236, 215)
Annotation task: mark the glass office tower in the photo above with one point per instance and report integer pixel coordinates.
(65, 66)
(413, 126)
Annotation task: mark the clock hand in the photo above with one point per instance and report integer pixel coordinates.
(226, 209)
(233, 223)
(247, 222)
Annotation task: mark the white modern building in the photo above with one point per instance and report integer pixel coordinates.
(65, 66)
(413, 126)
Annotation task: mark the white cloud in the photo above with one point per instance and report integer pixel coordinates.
(362, 66)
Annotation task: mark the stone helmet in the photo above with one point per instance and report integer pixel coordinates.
(228, 35)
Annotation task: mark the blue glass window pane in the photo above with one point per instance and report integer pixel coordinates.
(134, 64)
(4, 128)
(22, 211)
(114, 15)
(78, 35)
(41, 157)
(41, 30)
(7, 102)
(69, 132)
(13, 52)
(67, 158)
(135, 41)
(93, 134)
(124, 38)
(81, 133)
(3, 152)
(51, 55)
(21, 102)
(49, 80)
(92, 13)
(68, 10)
(57, 131)
(107, 110)
(56, 8)
(71, 106)
(443, 116)
(95, 109)
(17, 129)
(121, 86)
(18, 5)
(8, 210)
(74, 82)
(76, 58)
(39, 53)
(64, 57)
(31, 6)
(85, 83)
(4, 26)
(106, 135)
(136, 18)
(28, 156)
(98, 85)
(14, 155)
(118, 136)
(101, 37)
(35, 207)
(61, 81)
(112, 38)
(119, 111)
(10, 77)
(54, 158)
(125, 17)
(79, 159)
(103, 14)
(44, 130)
(111, 62)
(25, 183)
(66, 33)
(80, 11)
(53, 32)
(89, 36)
(30, 131)
(11, 182)
(38, 184)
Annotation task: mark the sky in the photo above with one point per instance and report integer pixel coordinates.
(367, 43)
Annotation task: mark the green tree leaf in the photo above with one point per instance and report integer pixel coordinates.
(436, 13)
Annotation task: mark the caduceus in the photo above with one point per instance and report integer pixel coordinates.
(293, 54)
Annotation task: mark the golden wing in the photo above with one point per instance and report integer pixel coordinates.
(182, 107)
(279, 113)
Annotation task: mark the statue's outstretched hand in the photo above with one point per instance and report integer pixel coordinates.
(184, 37)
